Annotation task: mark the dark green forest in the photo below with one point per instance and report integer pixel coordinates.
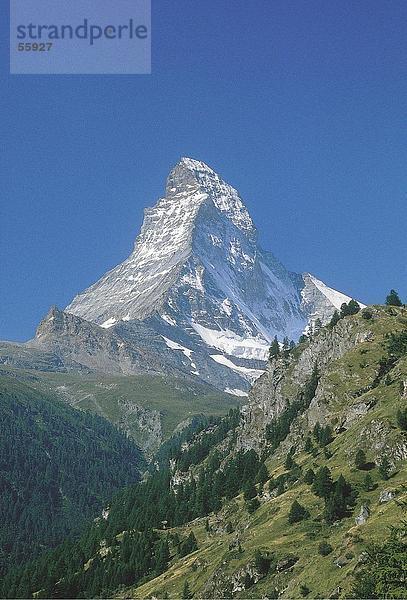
(139, 510)
(58, 468)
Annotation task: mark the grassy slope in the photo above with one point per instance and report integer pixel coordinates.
(173, 398)
(268, 528)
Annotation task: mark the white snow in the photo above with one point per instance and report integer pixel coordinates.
(235, 392)
(168, 319)
(249, 374)
(162, 247)
(109, 323)
(215, 240)
(227, 307)
(336, 298)
(194, 279)
(198, 260)
(175, 346)
(186, 351)
(229, 342)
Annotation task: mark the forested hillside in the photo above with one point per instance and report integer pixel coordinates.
(300, 494)
(58, 468)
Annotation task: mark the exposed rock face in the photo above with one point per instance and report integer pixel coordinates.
(199, 280)
(386, 496)
(363, 515)
(79, 342)
(285, 378)
(221, 586)
(72, 343)
(147, 424)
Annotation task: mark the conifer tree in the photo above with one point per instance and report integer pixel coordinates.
(323, 484)
(310, 387)
(384, 468)
(297, 513)
(309, 477)
(334, 319)
(308, 445)
(352, 308)
(262, 563)
(163, 556)
(368, 483)
(280, 487)
(401, 418)
(325, 437)
(189, 545)
(216, 493)
(324, 548)
(304, 590)
(262, 474)
(316, 432)
(340, 496)
(360, 459)
(274, 349)
(252, 505)
(393, 299)
(186, 592)
(289, 462)
(249, 490)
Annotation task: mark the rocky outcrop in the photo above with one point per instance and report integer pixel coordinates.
(285, 378)
(220, 585)
(386, 496)
(79, 342)
(363, 515)
(143, 424)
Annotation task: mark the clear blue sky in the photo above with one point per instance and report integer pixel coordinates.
(300, 105)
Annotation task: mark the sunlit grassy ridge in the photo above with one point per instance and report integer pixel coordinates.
(268, 530)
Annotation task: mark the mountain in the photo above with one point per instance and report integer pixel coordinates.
(283, 499)
(58, 468)
(199, 284)
(181, 328)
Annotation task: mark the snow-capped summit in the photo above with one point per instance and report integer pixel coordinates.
(198, 277)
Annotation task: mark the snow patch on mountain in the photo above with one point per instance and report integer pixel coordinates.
(236, 392)
(336, 298)
(250, 374)
(186, 351)
(229, 342)
(109, 323)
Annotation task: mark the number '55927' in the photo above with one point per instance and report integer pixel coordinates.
(40, 47)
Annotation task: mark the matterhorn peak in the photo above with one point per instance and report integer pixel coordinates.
(191, 176)
(199, 278)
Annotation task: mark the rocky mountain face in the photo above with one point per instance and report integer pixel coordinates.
(198, 285)
(286, 377)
